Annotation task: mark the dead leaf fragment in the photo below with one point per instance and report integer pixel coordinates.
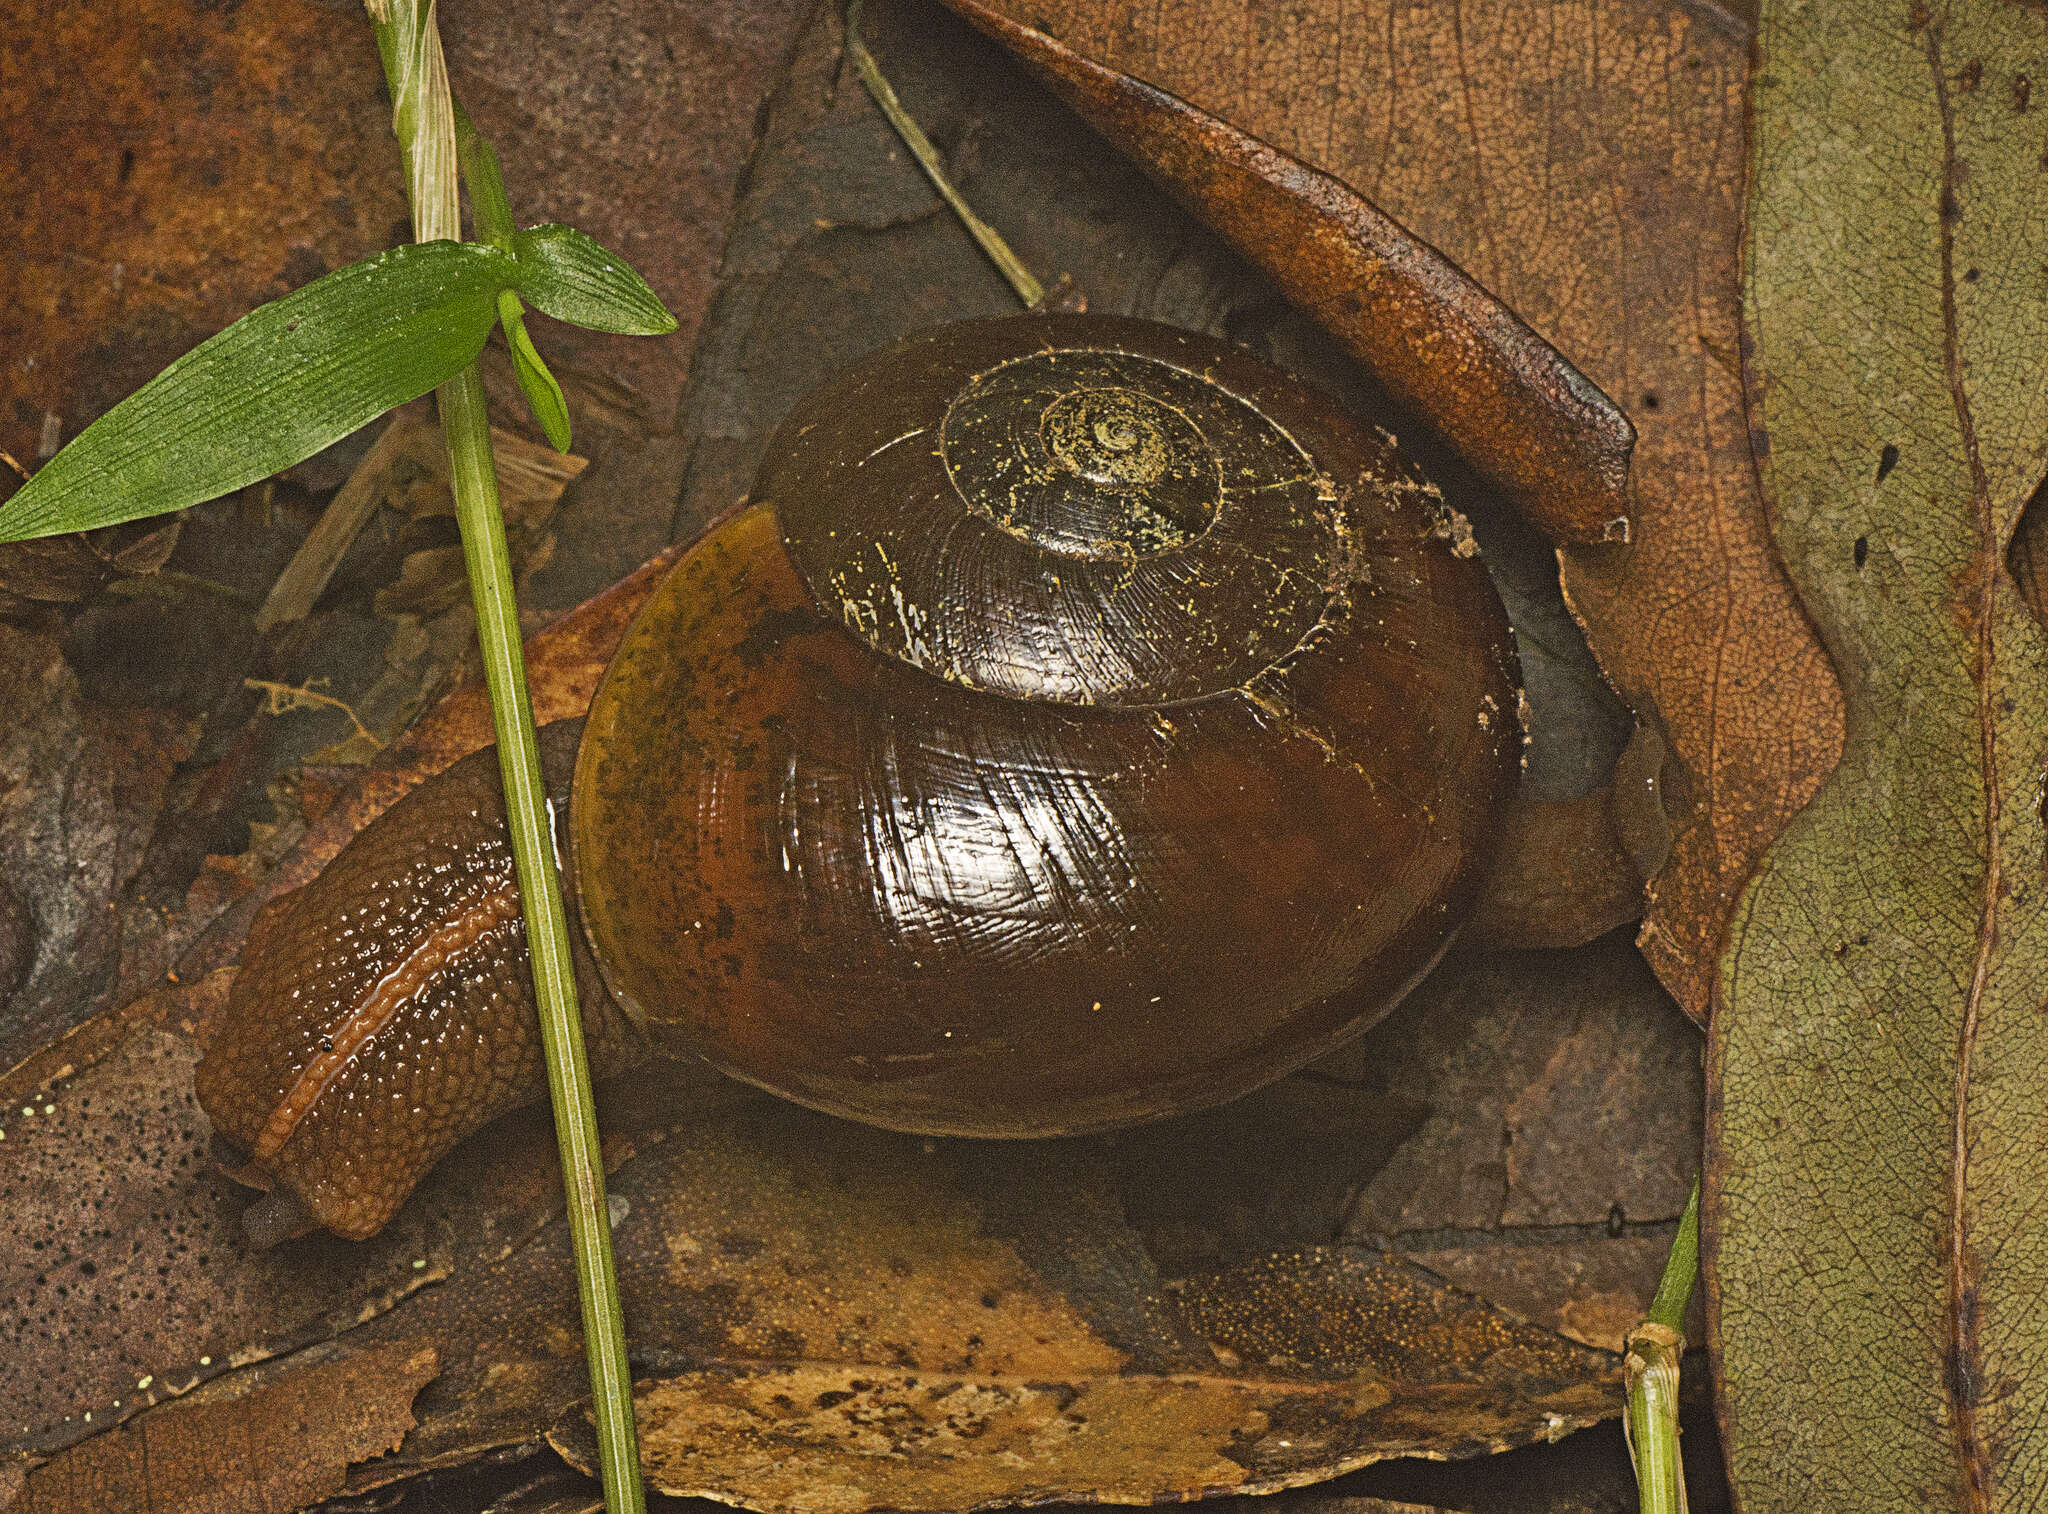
(80, 787)
(1877, 1090)
(281, 1444)
(1561, 876)
(196, 169)
(889, 1322)
(850, 1439)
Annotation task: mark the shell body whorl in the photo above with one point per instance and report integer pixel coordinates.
(1085, 722)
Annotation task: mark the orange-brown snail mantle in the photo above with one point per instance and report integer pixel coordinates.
(1085, 723)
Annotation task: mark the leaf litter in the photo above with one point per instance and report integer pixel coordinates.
(509, 1208)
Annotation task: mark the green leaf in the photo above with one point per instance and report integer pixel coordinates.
(566, 275)
(487, 201)
(274, 388)
(1879, 1054)
(543, 395)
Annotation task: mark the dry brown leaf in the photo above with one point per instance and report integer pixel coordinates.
(68, 569)
(278, 1445)
(371, 484)
(1559, 1132)
(80, 788)
(1276, 1407)
(1561, 876)
(168, 188)
(1570, 870)
(1585, 165)
(781, 1266)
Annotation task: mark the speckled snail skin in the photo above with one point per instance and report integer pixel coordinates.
(1085, 722)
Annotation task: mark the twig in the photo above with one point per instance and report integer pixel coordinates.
(1028, 288)
(423, 114)
(306, 576)
(281, 697)
(1651, 1367)
(529, 476)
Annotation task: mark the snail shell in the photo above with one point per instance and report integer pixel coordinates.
(1085, 722)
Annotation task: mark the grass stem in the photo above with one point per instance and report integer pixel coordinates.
(1655, 1348)
(1012, 268)
(424, 117)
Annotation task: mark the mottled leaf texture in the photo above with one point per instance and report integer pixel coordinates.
(1582, 161)
(274, 388)
(1881, 1052)
(280, 1445)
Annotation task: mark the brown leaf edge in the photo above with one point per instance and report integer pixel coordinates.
(282, 1444)
(1508, 401)
(1295, 1397)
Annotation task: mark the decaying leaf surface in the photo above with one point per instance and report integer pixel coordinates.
(1555, 1135)
(194, 171)
(1880, 1056)
(1561, 875)
(1442, 346)
(775, 1260)
(208, 162)
(80, 789)
(1583, 164)
(280, 1445)
(1314, 1363)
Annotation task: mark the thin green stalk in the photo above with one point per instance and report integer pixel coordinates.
(424, 113)
(1651, 1367)
(1028, 288)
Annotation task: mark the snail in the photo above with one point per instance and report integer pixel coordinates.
(1083, 722)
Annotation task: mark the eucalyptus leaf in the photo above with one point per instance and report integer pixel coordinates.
(543, 395)
(1875, 1160)
(284, 381)
(563, 273)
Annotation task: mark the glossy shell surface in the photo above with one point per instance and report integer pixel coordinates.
(1084, 723)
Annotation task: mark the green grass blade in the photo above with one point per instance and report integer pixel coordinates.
(274, 388)
(478, 161)
(543, 394)
(563, 273)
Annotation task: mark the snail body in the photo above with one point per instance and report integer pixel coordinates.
(1084, 722)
